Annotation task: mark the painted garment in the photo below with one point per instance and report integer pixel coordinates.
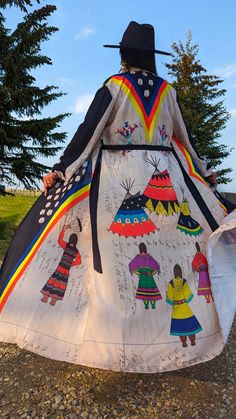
(57, 283)
(200, 265)
(146, 267)
(183, 322)
(126, 175)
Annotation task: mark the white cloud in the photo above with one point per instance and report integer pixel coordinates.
(227, 71)
(233, 112)
(82, 103)
(85, 32)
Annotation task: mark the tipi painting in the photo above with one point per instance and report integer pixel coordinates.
(159, 195)
(186, 223)
(131, 220)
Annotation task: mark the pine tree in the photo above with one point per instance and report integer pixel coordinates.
(22, 4)
(201, 100)
(24, 136)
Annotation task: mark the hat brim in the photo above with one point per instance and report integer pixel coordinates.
(155, 51)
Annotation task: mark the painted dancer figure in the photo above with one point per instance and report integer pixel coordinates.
(200, 265)
(102, 329)
(145, 266)
(183, 322)
(56, 285)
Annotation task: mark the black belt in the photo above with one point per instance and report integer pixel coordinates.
(94, 192)
(136, 147)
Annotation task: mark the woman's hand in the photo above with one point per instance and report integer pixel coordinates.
(48, 181)
(212, 179)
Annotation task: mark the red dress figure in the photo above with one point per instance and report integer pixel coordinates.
(200, 265)
(57, 283)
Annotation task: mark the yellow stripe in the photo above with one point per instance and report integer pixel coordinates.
(163, 95)
(68, 201)
(199, 177)
(190, 229)
(148, 132)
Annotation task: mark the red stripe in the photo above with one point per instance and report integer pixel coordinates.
(57, 284)
(155, 105)
(182, 149)
(62, 270)
(138, 100)
(148, 119)
(80, 198)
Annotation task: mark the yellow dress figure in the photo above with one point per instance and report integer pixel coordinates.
(183, 321)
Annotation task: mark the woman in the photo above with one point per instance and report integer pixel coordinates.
(183, 322)
(145, 266)
(133, 136)
(56, 285)
(200, 265)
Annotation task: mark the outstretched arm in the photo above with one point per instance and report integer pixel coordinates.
(61, 240)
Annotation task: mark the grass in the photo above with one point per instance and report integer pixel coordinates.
(12, 211)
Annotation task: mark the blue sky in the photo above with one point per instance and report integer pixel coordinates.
(81, 64)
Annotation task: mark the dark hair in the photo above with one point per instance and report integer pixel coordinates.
(137, 58)
(177, 271)
(197, 247)
(143, 248)
(73, 239)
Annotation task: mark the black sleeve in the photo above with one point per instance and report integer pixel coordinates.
(87, 133)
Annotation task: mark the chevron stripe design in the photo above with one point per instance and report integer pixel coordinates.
(192, 169)
(148, 112)
(76, 195)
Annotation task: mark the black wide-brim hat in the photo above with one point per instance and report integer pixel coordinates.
(139, 37)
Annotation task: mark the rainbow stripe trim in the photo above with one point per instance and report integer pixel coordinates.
(192, 169)
(73, 197)
(148, 112)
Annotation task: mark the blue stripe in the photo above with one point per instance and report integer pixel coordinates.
(147, 107)
(85, 181)
(134, 211)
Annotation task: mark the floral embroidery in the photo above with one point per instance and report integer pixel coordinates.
(126, 131)
(163, 133)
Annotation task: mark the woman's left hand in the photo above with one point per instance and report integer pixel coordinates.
(212, 179)
(48, 181)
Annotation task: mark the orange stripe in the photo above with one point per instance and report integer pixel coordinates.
(67, 208)
(155, 105)
(138, 100)
(192, 170)
(148, 119)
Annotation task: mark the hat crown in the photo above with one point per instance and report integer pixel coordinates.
(138, 36)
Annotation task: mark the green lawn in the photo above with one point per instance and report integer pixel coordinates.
(12, 211)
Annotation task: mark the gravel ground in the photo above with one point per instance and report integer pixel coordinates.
(33, 386)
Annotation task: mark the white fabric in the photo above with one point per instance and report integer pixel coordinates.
(222, 267)
(100, 321)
